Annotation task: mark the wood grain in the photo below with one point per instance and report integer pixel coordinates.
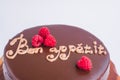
(118, 78)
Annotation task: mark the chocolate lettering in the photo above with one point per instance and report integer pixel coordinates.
(22, 48)
(80, 48)
(62, 52)
(63, 55)
(95, 47)
(101, 50)
(52, 57)
(88, 49)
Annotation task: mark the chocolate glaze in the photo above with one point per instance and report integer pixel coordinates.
(36, 67)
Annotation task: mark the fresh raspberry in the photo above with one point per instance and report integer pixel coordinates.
(44, 31)
(50, 41)
(37, 40)
(84, 63)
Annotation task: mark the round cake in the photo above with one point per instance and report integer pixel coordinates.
(55, 52)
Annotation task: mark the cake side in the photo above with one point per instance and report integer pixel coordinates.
(62, 65)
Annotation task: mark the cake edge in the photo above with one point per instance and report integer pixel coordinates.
(112, 76)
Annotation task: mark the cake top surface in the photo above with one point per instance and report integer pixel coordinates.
(55, 60)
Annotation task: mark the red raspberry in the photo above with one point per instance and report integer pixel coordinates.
(37, 40)
(50, 41)
(44, 31)
(84, 63)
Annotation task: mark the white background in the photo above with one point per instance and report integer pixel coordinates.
(100, 17)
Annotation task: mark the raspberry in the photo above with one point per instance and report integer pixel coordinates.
(84, 63)
(37, 40)
(50, 41)
(44, 31)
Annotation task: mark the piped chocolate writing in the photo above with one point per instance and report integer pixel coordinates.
(63, 52)
(22, 48)
(79, 49)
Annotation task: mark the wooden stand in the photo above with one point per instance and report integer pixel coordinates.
(113, 74)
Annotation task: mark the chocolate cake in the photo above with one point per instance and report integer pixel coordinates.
(55, 52)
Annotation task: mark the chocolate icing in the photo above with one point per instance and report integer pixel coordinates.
(36, 67)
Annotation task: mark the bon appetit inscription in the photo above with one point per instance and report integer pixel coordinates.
(63, 52)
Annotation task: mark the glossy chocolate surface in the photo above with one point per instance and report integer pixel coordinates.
(36, 67)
